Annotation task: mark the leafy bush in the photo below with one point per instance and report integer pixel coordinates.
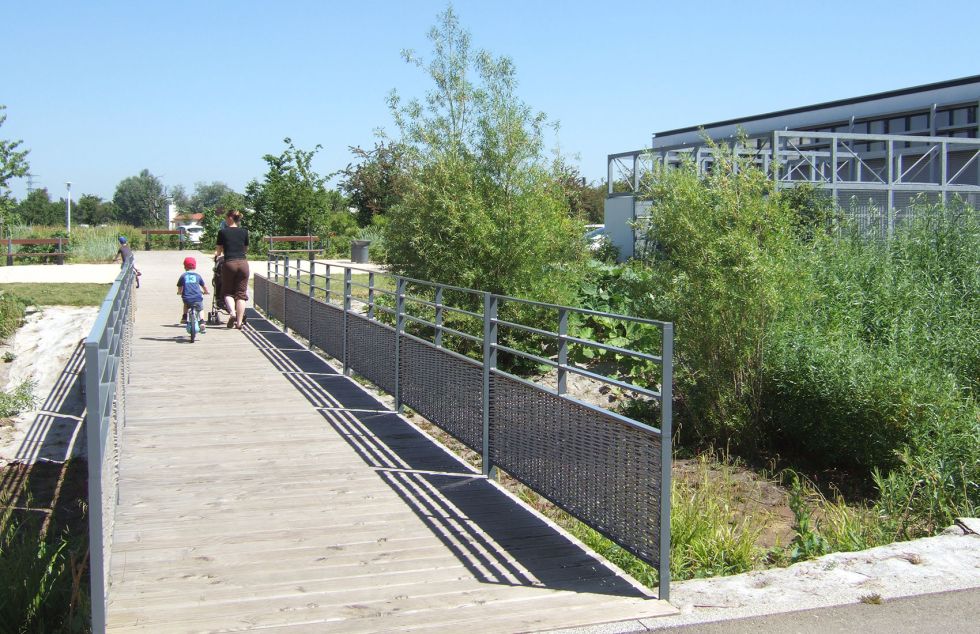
(878, 371)
(481, 207)
(20, 399)
(726, 269)
(798, 337)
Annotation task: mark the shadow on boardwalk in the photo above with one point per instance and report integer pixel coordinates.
(496, 538)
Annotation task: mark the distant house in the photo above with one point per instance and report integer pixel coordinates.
(182, 220)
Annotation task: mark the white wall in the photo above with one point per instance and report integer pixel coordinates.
(618, 214)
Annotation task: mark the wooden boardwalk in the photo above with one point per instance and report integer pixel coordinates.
(260, 489)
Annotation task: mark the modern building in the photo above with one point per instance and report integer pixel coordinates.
(873, 154)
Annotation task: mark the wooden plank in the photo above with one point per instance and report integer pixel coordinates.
(248, 507)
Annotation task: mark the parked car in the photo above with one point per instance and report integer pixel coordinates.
(193, 233)
(595, 236)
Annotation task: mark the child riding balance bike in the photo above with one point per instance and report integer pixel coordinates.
(192, 289)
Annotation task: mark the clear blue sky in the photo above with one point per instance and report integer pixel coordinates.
(199, 91)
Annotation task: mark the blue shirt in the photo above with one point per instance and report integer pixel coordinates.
(191, 284)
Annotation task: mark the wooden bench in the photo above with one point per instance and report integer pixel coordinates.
(59, 255)
(309, 240)
(165, 232)
(310, 250)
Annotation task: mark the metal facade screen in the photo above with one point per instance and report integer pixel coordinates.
(596, 467)
(443, 387)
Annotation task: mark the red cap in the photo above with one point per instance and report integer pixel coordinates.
(190, 263)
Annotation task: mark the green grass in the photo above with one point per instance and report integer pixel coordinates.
(11, 314)
(43, 565)
(57, 294)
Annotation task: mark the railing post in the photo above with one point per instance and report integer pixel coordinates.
(439, 317)
(285, 285)
(371, 295)
(666, 457)
(399, 327)
(326, 284)
(96, 529)
(489, 364)
(10, 250)
(562, 385)
(311, 279)
(347, 288)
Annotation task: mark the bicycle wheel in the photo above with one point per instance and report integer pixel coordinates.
(192, 322)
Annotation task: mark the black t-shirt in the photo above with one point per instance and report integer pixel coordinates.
(235, 242)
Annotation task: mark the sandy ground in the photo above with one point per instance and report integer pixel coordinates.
(42, 349)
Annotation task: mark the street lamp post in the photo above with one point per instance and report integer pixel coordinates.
(68, 209)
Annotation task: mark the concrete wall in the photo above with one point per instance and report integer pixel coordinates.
(618, 214)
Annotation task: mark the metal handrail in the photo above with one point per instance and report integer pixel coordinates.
(491, 347)
(107, 352)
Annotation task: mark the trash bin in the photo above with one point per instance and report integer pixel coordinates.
(359, 251)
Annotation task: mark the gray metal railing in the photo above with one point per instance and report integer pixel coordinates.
(452, 354)
(107, 351)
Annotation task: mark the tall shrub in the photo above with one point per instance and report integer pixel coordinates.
(878, 371)
(481, 206)
(725, 258)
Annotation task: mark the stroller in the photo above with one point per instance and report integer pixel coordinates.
(217, 307)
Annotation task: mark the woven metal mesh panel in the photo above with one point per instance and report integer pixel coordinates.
(445, 389)
(599, 469)
(298, 312)
(261, 287)
(327, 329)
(276, 296)
(371, 351)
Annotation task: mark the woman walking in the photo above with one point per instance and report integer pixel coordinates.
(233, 245)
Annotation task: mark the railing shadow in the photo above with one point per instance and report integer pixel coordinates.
(495, 537)
(43, 470)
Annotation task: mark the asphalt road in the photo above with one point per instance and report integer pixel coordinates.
(956, 612)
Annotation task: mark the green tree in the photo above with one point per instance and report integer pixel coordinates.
(92, 210)
(38, 209)
(292, 198)
(215, 213)
(586, 201)
(13, 164)
(377, 182)
(207, 196)
(482, 206)
(141, 200)
(179, 197)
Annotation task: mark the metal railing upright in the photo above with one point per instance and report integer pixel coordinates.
(454, 355)
(107, 353)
